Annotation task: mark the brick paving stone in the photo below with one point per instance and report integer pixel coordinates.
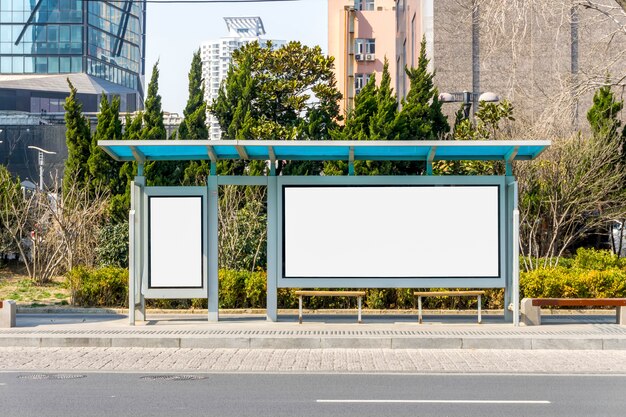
(312, 360)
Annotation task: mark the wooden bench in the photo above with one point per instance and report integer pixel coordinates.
(531, 307)
(312, 293)
(420, 294)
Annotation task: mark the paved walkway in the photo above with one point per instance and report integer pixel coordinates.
(587, 332)
(311, 360)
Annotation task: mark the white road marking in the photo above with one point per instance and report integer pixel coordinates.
(438, 401)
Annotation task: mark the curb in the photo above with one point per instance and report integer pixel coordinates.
(243, 342)
(262, 311)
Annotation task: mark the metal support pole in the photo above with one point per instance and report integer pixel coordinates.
(212, 264)
(139, 246)
(516, 304)
(272, 248)
(40, 171)
(419, 309)
(479, 306)
(359, 303)
(467, 103)
(131, 260)
(510, 205)
(300, 310)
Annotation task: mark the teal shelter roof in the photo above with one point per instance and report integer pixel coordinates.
(323, 150)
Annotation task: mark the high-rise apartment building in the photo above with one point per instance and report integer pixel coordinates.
(217, 54)
(98, 45)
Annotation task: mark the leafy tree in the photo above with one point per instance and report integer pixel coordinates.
(421, 117)
(157, 172)
(285, 93)
(78, 139)
(487, 126)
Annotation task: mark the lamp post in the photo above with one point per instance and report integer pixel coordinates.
(41, 152)
(467, 98)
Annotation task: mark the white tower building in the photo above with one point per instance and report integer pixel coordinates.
(216, 58)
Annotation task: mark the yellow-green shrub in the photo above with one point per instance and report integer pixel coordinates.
(99, 287)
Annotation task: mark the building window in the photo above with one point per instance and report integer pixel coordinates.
(364, 4)
(359, 81)
(364, 46)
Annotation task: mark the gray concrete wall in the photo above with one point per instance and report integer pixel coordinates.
(530, 53)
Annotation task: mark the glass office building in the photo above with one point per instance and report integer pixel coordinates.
(43, 41)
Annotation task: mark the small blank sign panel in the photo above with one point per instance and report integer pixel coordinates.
(391, 232)
(175, 242)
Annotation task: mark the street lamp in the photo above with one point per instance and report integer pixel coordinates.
(467, 98)
(41, 152)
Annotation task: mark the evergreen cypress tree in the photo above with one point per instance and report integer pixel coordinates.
(421, 116)
(383, 122)
(103, 169)
(163, 173)
(194, 122)
(193, 125)
(357, 126)
(153, 126)
(78, 139)
(106, 172)
(602, 116)
(121, 204)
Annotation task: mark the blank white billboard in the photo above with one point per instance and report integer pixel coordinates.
(175, 243)
(391, 231)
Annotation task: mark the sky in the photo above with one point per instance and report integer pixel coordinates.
(175, 31)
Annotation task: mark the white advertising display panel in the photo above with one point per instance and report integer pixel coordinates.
(175, 242)
(391, 231)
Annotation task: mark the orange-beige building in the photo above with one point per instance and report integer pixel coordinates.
(362, 33)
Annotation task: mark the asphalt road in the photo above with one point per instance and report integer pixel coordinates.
(318, 395)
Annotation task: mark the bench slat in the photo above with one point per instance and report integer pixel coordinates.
(577, 302)
(331, 293)
(444, 293)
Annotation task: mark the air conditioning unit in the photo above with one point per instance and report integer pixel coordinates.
(358, 57)
(370, 57)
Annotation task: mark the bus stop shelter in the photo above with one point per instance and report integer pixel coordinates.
(414, 231)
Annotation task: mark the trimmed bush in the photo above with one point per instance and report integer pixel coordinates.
(596, 259)
(589, 273)
(573, 283)
(100, 287)
(232, 289)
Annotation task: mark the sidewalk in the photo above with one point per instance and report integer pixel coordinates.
(378, 331)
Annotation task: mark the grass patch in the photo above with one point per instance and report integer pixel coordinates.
(15, 285)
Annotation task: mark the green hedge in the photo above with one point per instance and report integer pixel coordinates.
(101, 287)
(589, 273)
